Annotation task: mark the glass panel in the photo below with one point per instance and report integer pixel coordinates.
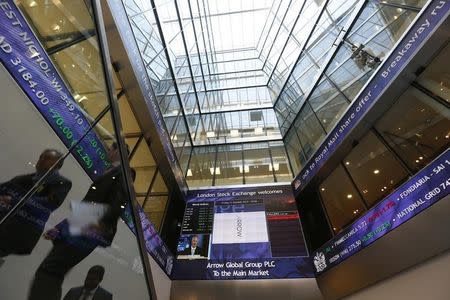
(201, 167)
(422, 131)
(341, 199)
(436, 77)
(229, 162)
(309, 130)
(159, 186)
(280, 163)
(69, 230)
(374, 169)
(154, 208)
(256, 167)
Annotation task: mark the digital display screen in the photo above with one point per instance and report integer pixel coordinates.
(245, 233)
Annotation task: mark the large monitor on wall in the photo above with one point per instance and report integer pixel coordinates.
(242, 233)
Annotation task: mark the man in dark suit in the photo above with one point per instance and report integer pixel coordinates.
(193, 249)
(69, 250)
(20, 234)
(91, 289)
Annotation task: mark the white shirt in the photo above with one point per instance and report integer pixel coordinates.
(193, 250)
(89, 296)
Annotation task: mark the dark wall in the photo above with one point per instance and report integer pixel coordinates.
(313, 218)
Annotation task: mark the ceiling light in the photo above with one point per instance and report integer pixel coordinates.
(234, 132)
(376, 171)
(174, 137)
(322, 189)
(246, 169)
(349, 196)
(211, 170)
(347, 163)
(276, 167)
(417, 161)
(32, 4)
(56, 27)
(420, 157)
(210, 134)
(189, 173)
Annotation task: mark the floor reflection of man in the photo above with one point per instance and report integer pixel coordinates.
(69, 250)
(91, 289)
(20, 234)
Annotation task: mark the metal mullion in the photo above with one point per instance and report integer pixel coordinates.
(243, 164)
(236, 110)
(239, 142)
(276, 35)
(133, 151)
(397, 157)
(150, 186)
(271, 26)
(324, 5)
(236, 88)
(264, 27)
(327, 217)
(366, 206)
(403, 6)
(222, 14)
(196, 45)
(163, 219)
(74, 41)
(430, 94)
(271, 162)
(215, 165)
(170, 66)
(203, 37)
(331, 55)
(115, 115)
(285, 44)
(213, 53)
(187, 58)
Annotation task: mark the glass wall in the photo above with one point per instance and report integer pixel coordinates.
(413, 132)
(64, 199)
(236, 164)
(317, 101)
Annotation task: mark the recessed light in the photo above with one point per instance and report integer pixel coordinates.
(349, 196)
(322, 189)
(376, 171)
(189, 172)
(347, 163)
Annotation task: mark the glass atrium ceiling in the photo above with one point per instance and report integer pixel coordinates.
(231, 75)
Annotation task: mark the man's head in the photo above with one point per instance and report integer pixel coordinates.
(94, 277)
(47, 159)
(194, 241)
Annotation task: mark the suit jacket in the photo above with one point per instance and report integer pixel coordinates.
(22, 232)
(187, 251)
(75, 294)
(106, 189)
